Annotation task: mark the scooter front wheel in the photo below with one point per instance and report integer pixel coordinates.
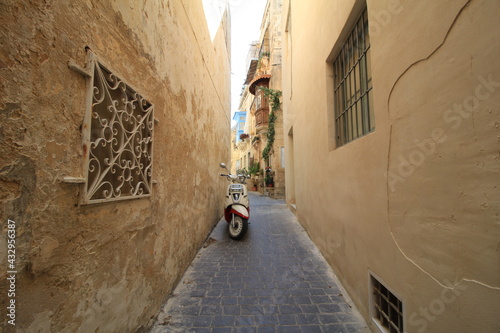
(239, 228)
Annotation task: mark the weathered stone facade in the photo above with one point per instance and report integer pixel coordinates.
(106, 267)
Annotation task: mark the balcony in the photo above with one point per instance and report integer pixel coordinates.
(261, 119)
(259, 81)
(261, 103)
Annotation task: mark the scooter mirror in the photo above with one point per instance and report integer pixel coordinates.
(222, 165)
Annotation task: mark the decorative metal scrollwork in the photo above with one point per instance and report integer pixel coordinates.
(120, 142)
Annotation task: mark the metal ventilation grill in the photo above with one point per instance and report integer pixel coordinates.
(387, 308)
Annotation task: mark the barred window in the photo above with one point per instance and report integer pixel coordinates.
(353, 85)
(119, 139)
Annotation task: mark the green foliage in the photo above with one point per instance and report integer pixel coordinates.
(242, 172)
(274, 100)
(273, 96)
(253, 168)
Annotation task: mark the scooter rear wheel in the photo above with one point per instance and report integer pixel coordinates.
(240, 227)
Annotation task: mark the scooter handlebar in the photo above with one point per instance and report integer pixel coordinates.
(235, 178)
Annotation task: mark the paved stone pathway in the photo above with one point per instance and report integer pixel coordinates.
(274, 280)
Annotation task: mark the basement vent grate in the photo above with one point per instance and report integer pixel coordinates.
(387, 308)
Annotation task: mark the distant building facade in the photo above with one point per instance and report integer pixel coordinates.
(111, 132)
(239, 155)
(391, 114)
(264, 71)
(240, 118)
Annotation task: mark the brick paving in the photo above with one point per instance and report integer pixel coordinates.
(274, 280)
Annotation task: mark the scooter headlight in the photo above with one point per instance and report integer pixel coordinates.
(236, 188)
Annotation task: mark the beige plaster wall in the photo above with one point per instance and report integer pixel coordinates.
(416, 202)
(106, 267)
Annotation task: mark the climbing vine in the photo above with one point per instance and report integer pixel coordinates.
(274, 100)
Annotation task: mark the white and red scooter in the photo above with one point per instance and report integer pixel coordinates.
(236, 205)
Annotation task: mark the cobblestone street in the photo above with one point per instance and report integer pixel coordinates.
(274, 280)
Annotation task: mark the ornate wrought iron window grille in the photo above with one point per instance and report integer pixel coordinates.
(118, 139)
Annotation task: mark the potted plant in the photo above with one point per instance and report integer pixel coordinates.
(253, 169)
(269, 181)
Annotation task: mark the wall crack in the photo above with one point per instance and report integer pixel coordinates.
(438, 47)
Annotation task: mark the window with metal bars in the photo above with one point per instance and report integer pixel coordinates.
(387, 308)
(353, 85)
(119, 139)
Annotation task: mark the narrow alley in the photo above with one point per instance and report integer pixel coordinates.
(368, 132)
(274, 280)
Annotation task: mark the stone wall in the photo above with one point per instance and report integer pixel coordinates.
(106, 267)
